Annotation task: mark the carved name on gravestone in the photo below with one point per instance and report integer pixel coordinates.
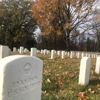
(20, 78)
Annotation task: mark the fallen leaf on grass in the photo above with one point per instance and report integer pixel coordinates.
(60, 82)
(98, 85)
(94, 78)
(91, 91)
(48, 80)
(65, 73)
(92, 71)
(60, 67)
(57, 96)
(72, 75)
(43, 92)
(99, 89)
(82, 96)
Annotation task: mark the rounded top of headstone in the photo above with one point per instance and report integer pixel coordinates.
(9, 59)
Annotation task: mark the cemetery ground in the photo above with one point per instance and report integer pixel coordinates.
(60, 79)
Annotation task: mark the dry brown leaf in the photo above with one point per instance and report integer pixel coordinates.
(82, 96)
(92, 92)
(72, 75)
(60, 67)
(89, 89)
(99, 89)
(98, 85)
(60, 82)
(48, 80)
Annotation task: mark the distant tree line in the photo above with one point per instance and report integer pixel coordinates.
(81, 43)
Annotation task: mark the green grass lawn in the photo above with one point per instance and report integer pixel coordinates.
(60, 80)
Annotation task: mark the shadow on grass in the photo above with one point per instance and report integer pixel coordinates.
(94, 82)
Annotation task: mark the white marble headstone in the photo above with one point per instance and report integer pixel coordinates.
(26, 50)
(68, 54)
(82, 54)
(58, 52)
(14, 49)
(71, 55)
(53, 54)
(84, 73)
(41, 51)
(20, 78)
(33, 52)
(78, 55)
(45, 51)
(97, 69)
(21, 50)
(63, 54)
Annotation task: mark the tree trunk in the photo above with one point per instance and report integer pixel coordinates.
(68, 44)
(55, 47)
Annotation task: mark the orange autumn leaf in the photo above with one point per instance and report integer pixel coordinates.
(82, 96)
(60, 82)
(72, 75)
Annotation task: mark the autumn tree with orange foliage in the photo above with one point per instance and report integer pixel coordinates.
(58, 18)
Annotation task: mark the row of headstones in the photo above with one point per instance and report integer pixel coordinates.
(23, 50)
(85, 66)
(72, 54)
(4, 51)
(63, 54)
